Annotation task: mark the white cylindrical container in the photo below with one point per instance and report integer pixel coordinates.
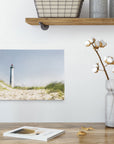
(98, 9)
(112, 8)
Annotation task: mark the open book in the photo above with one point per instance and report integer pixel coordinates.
(34, 133)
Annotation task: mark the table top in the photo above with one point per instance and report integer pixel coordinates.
(100, 134)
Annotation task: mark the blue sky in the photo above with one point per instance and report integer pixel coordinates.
(32, 67)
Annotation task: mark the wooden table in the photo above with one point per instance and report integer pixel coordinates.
(101, 134)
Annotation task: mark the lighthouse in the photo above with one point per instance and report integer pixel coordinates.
(12, 75)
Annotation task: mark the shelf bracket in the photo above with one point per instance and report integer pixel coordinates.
(43, 26)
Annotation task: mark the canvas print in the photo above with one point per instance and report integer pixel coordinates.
(31, 74)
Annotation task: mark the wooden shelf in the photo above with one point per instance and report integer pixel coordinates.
(45, 22)
(70, 21)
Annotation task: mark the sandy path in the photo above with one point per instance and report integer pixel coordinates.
(14, 94)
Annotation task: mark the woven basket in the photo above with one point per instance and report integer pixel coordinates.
(58, 8)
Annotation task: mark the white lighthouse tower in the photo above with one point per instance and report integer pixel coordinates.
(12, 76)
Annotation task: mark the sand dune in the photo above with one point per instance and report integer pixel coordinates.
(17, 94)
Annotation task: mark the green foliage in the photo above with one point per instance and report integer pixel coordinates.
(55, 87)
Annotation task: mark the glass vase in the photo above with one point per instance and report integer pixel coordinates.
(109, 104)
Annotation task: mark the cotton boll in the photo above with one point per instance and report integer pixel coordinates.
(110, 60)
(105, 59)
(94, 45)
(87, 44)
(97, 44)
(95, 70)
(102, 44)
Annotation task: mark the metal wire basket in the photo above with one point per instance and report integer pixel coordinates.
(58, 8)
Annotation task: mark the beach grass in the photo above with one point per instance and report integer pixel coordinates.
(5, 83)
(2, 88)
(52, 87)
(28, 88)
(55, 87)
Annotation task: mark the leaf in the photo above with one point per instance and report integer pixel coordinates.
(88, 129)
(81, 133)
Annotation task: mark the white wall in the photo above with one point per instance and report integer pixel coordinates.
(84, 91)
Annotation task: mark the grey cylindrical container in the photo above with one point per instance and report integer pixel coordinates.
(112, 8)
(98, 9)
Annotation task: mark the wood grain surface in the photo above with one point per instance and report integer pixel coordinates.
(101, 134)
(70, 21)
